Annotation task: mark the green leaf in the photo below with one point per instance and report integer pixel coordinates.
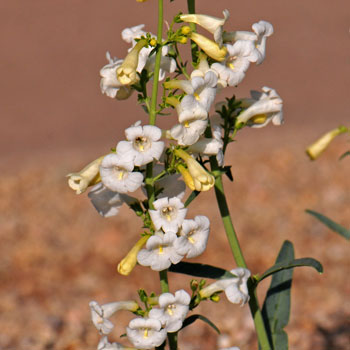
(346, 154)
(291, 264)
(330, 224)
(189, 320)
(276, 308)
(191, 197)
(200, 270)
(280, 340)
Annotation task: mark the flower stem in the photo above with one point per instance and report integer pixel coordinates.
(153, 108)
(238, 255)
(153, 111)
(191, 5)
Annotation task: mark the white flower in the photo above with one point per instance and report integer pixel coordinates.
(169, 214)
(235, 288)
(105, 201)
(188, 132)
(232, 71)
(130, 34)
(173, 310)
(100, 314)
(263, 107)
(212, 24)
(143, 143)
(206, 146)
(193, 237)
(262, 30)
(109, 84)
(116, 173)
(105, 345)
(145, 333)
(160, 252)
(86, 177)
(200, 90)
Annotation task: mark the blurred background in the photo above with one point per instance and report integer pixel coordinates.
(57, 253)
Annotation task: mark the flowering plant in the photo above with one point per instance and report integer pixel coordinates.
(191, 154)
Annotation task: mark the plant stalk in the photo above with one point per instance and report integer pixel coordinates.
(238, 255)
(153, 111)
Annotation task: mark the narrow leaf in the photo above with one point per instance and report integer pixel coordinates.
(330, 224)
(346, 154)
(191, 197)
(200, 270)
(280, 340)
(189, 320)
(289, 265)
(276, 308)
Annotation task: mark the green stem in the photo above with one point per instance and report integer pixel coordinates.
(238, 255)
(153, 111)
(153, 108)
(191, 5)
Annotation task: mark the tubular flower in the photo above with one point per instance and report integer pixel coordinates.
(129, 262)
(105, 345)
(207, 146)
(145, 333)
(200, 179)
(117, 173)
(235, 288)
(86, 177)
(160, 252)
(169, 214)
(320, 145)
(109, 84)
(200, 90)
(188, 132)
(263, 107)
(193, 237)
(105, 201)
(173, 310)
(232, 71)
(100, 314)
(262, 30)
(143, 143)
(212, 24)
(126, 73)
(211, 48)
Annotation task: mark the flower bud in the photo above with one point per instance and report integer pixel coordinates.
(195, 176)
(126, 73)
(315, 150)
(212, 24)
(86, 177)
(185, 30)
(182, 40)
(211, 48)
(153, 42)
(128, 263)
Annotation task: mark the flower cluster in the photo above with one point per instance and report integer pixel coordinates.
(175, 237)
(151, 329)
(163, 162)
